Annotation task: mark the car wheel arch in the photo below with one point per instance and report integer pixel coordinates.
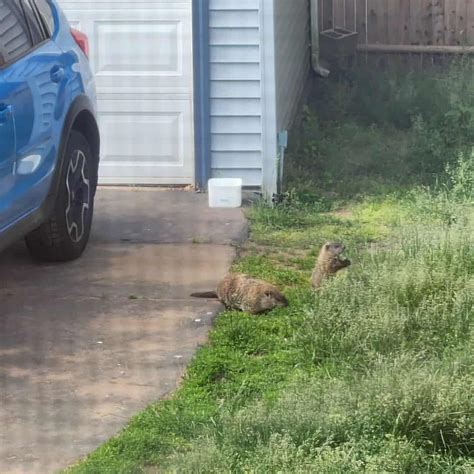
(85, 123)
(81, 118)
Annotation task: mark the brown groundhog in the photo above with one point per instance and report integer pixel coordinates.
(241, 292)
(329, 263)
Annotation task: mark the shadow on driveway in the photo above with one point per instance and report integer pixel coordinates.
(86, 345)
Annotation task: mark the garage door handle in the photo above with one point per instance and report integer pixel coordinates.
(57, 74)
(5, 113)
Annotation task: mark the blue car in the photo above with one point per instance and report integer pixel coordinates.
(49, 137)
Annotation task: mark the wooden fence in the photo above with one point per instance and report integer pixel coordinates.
(435, 25)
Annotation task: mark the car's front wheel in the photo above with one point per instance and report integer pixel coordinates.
(66, 233)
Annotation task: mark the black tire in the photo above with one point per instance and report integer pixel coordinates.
(64, 236)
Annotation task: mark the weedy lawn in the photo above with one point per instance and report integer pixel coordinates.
(376, 372)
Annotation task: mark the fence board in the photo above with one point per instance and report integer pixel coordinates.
(350, 11)
(387, 20)
(461, 10)
(470, 23)
(361, 21)
(427, 24)
(450, 23)
(339, 13)
(416, 9)
(375, 23)
(327, 8)
(437, 10)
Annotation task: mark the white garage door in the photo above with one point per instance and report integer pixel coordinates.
(141, 54)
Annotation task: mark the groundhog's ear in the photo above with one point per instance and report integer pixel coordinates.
(328, 246)
(268, 293)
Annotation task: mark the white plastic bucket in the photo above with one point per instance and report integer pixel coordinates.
(225, 192)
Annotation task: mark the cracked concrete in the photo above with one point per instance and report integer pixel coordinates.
(86, 345)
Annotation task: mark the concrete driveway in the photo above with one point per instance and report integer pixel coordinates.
(84, 346)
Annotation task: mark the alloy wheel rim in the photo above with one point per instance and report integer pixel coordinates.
(78, 191)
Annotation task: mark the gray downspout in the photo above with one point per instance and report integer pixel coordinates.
(282, 145)
(317, 68)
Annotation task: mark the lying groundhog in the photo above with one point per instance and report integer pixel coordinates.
(329, 263)
(241, 292)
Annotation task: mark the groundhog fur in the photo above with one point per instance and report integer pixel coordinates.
(241, 292)
(329, 263)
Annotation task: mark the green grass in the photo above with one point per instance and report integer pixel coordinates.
(375, 373)
(369, 133)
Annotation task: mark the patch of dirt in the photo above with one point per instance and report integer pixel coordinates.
(281, 254)
(344, 213)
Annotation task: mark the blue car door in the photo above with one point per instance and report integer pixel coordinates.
(7, 144)
(32, 96)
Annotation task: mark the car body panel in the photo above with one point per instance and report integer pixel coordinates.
(39, 98)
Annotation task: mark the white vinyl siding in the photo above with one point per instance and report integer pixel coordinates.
(235, 90)
(292, 56)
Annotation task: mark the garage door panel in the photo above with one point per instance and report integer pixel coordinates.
(143, 127)
(160, 56)
(145, 49)
(141, 56)
(140, 136)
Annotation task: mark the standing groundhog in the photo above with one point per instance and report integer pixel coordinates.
(329, 263)
(239, 291)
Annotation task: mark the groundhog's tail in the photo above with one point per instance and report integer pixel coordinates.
(206, 294)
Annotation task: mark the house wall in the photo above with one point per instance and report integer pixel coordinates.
(236, 90)
(292, 56)
(259, 64)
